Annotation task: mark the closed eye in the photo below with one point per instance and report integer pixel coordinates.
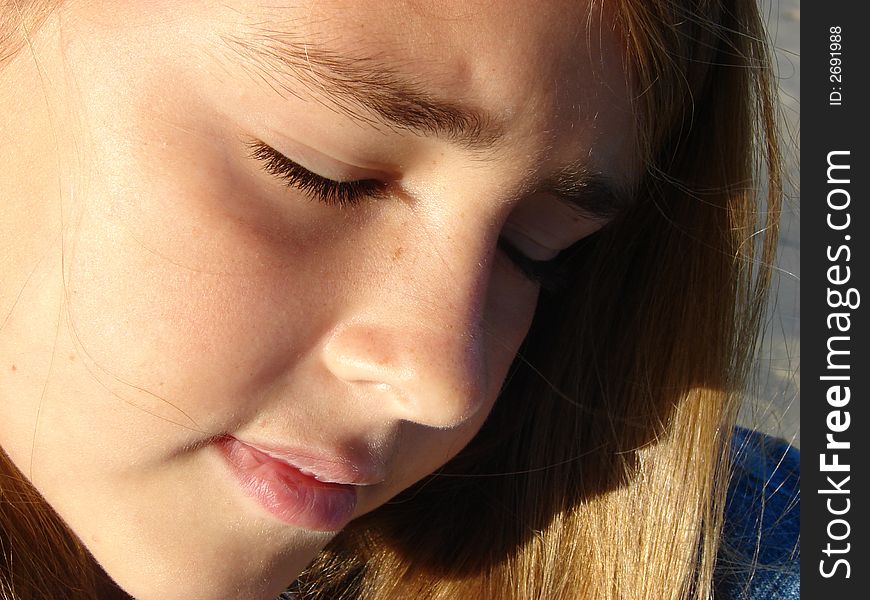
(551, 275)
(328, 191)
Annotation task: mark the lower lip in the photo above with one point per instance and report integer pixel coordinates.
(291, 496)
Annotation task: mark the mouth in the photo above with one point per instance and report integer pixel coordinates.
(303, 491)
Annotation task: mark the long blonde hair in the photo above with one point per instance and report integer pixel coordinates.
(601, 472)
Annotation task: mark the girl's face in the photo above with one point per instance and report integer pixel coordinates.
(212, 356)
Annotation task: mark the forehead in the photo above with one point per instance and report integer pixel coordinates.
(539, 69)
(549, 74)
(466, 43)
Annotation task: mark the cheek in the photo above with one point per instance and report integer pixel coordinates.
(148, 309)
(187, 281)
(510, 308)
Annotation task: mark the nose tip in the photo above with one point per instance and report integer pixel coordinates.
(433, 377)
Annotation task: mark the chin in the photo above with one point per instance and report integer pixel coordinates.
(206, 576)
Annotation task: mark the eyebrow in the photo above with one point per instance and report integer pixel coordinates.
(369, 90)
(362, 82)
(591, 193)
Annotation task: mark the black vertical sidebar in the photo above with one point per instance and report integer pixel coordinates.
(835, 300)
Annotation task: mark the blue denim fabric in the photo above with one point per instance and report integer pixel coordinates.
(760, 557)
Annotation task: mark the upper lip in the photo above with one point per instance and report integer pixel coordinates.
(327, 466)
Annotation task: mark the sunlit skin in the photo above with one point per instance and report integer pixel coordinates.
(160, 288)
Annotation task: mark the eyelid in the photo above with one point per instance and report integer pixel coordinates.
(543, 225)
(262, 151)
(526, 243)
(548, 271)
(552, 275)
(319, 163)
(329, 191)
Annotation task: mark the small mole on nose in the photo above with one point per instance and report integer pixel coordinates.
(397, 253)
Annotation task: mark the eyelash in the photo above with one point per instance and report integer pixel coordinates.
(551, 275)
(342, 194)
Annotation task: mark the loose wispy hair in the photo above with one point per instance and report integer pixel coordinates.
(602, 470)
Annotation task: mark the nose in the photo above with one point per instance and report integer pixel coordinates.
(428, 375)
(415, 344)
